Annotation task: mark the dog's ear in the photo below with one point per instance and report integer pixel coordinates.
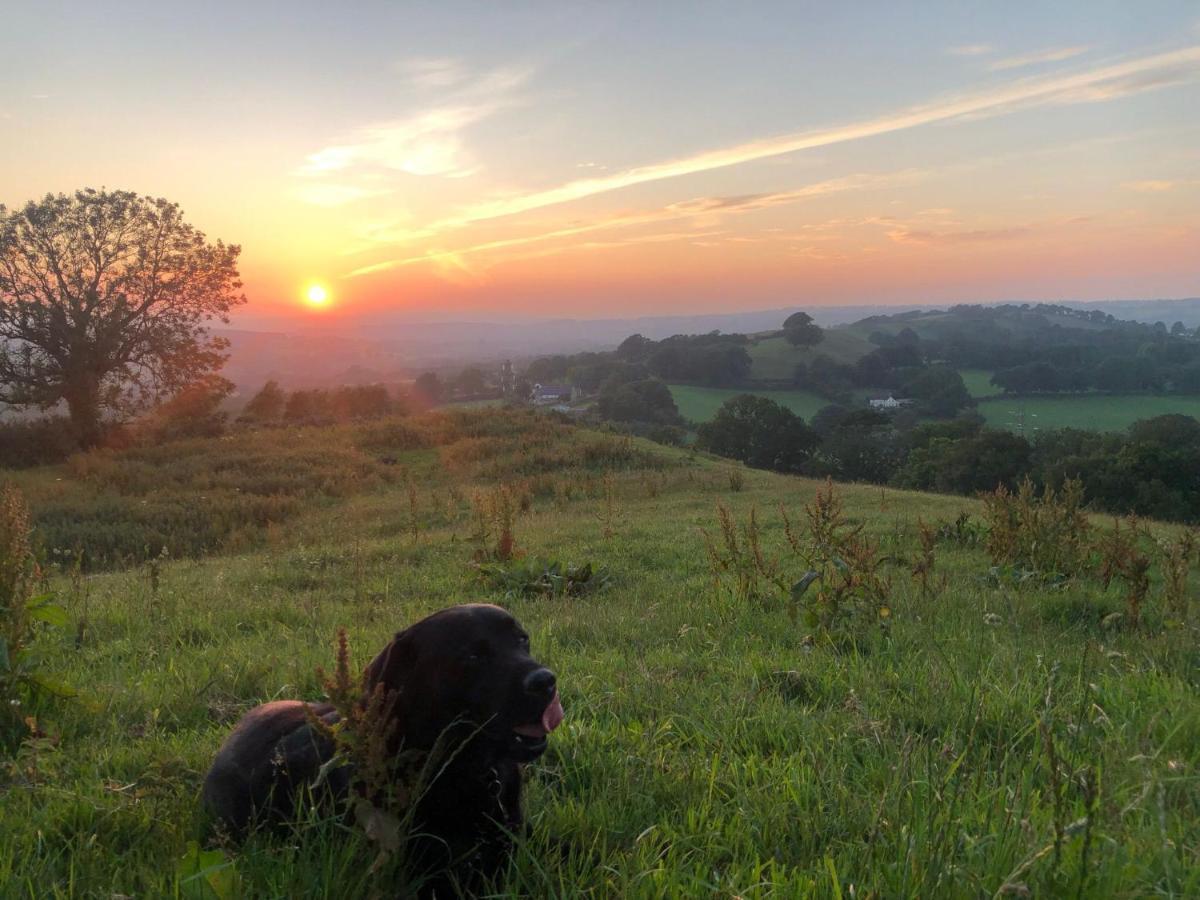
(391, 667)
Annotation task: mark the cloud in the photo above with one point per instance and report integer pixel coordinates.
(1055, 54)
(698, 208)
(1158, 186)
(427, 143)
(1103, 83)
(432, 73)
(979, 236)
(971, 50)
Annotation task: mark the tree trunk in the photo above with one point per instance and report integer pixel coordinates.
(83, 404)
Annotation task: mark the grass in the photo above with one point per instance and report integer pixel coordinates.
(979, 383)
(700, 404)
(996, 740)
(775, 359)
(1091, 412)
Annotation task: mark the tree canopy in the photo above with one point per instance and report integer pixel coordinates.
(104, 300)
(801, 331)
(760, 433)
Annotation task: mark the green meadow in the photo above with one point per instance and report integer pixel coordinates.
(1090, 412)
(975, 731)
(700, 404)
(979, 383)
(775, 359)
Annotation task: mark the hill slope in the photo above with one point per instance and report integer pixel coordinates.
(710, 747)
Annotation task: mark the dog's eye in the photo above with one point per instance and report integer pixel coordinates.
(477, 653)
(523, 640)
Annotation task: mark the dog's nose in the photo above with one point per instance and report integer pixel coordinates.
(540, 682)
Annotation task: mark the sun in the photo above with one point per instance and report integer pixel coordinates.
(316, 295)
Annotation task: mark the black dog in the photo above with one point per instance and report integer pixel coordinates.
(463, 675)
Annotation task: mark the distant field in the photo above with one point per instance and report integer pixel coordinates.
(1090, 412)
(477, 404)
(979, 383)
(700, 404)
(776, 358)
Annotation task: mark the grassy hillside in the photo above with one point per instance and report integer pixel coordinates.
(774, 358)
(1090, 412)
(700, 404)
(994, 739)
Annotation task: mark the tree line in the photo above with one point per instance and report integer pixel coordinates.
(1152, 469)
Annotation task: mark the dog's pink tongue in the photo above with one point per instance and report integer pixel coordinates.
(552, 716)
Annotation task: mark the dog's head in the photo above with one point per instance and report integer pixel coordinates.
(469, 665)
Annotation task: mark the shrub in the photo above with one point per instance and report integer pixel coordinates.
(194, 412)
(36, 442)
(265, 406)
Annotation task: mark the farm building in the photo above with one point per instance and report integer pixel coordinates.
(544, 394)
(889, 402)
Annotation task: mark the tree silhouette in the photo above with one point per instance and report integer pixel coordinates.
(104, 300)
(801, 331)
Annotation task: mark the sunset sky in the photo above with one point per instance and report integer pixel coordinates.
(450, 160)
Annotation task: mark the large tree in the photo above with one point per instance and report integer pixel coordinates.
(801, 331)
(104, 300)
(759, 432)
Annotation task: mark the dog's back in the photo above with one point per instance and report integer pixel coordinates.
(272, 753)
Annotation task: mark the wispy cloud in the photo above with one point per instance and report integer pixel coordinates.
(971, 50)
(1102, 83)
(701, 209)
(1158, 186)
(426, 143)
(1054, 54)
(432, 73)
(977, 236)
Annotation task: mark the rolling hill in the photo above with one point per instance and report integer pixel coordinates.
(978, 732)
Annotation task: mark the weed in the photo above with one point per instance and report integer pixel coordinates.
(609, 513)
(414, 518)
(737, 479)
(1177, 556)
(922, 567)
(843, 564)
(22, 683)
(495, 513)
(1048, 534)
(1122, 557)
(740, 559)
(652, 485)
(387, 781)
(962, 532)
(544, 578)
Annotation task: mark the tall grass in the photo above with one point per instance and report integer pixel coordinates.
(992, 742)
